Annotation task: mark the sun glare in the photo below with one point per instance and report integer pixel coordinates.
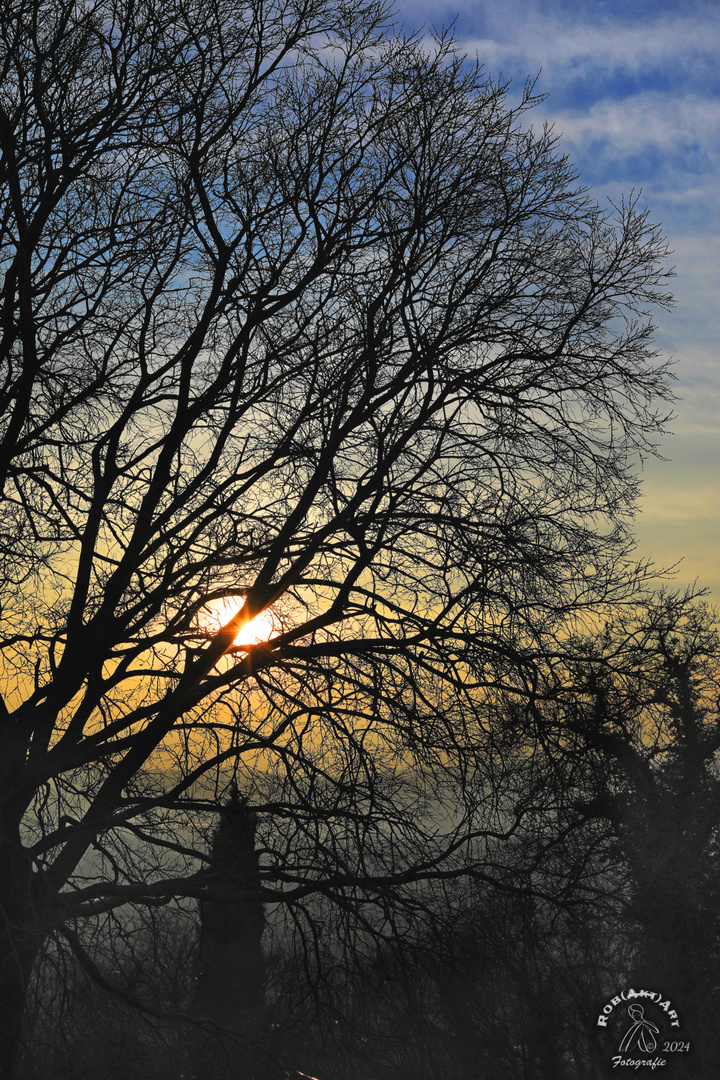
(263, 627)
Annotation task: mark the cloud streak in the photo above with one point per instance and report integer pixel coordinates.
(634, 90)
(647, 120)
(671, 46)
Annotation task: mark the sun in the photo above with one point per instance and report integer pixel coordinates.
(217, 613)
(259, 629)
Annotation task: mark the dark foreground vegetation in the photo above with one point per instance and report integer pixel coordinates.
(302, 321)
(601, 873)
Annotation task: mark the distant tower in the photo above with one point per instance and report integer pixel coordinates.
(230, 986)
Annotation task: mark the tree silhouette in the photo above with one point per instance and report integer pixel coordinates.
(632, 724)
(299, 313)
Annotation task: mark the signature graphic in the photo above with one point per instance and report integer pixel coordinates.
(641, 1034)
(644, 1042)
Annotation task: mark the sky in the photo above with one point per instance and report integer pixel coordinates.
(634, 88)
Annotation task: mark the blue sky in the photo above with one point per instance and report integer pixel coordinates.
(634, 88)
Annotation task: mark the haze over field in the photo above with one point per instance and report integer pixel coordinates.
(634, 90)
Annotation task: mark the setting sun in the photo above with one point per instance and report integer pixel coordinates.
(219, 612)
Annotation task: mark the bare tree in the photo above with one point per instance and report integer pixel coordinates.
(300, 313)
(630, 723)
(104, 1021)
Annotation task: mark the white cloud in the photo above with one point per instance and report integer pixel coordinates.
(524, 35)
(635, 99)
(646, 120)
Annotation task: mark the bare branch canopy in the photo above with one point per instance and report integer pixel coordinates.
(299, 317)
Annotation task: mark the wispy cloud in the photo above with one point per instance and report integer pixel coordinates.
(646, 120)
(582, 47)
(634, 90)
